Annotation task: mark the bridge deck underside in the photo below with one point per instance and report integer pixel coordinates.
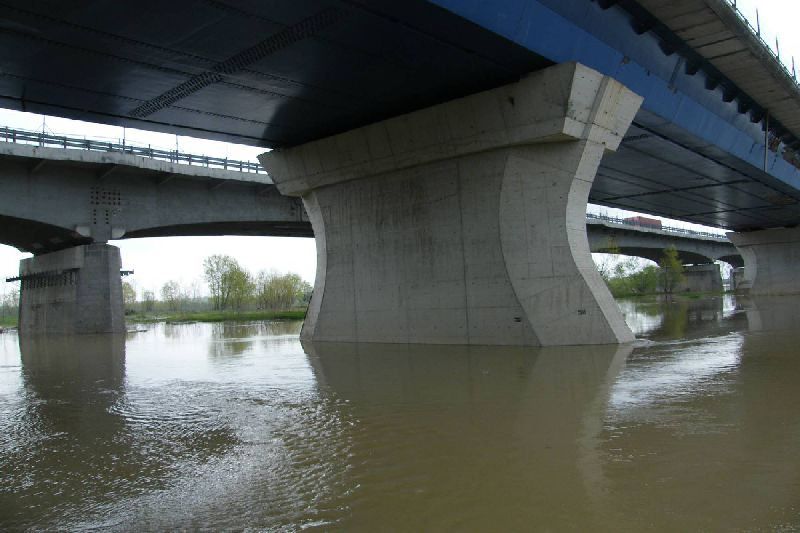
(23, 233)
(663, 171)
(284, 73)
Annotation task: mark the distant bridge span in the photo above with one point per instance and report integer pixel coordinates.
(52, 198)
(649, 243)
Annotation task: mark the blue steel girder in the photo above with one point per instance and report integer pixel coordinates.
(699, 120)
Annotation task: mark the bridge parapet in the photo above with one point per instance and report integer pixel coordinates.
(665, 229)
(47, 140)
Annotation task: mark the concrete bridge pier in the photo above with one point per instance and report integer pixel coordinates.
(770, 257)
(72, 291)
(701, 278)
(464, 223)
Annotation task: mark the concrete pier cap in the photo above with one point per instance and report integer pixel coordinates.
(464, 223)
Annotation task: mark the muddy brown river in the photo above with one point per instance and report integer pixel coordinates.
(240, 426)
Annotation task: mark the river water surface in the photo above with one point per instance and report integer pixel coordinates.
(695, 427)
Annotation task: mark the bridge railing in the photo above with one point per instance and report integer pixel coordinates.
(173, 156)
(757, 34)
(669, 229)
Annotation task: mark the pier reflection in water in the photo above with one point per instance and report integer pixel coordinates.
(237, 425)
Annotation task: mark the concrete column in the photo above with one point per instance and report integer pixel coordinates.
(72, 291)
(701, 278)
(464, 223)
(737, 279)
(771, 258)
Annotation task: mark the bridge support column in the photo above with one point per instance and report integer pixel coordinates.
(770, 260)
(72, 291)
(464, 223)
(701, 278)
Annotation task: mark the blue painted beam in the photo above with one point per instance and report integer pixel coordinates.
(607, 40)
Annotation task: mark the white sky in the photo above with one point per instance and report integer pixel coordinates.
(158, 260)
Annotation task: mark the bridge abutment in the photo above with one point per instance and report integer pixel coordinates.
(73, 291)
(464, 223)
(770, 257)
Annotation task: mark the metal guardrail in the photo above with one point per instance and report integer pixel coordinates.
(173, 156)
(668, 229)
(757, 34)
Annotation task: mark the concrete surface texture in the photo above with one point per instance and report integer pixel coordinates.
(464, 223)
(701, 278)
(72, 291)
(770, 260)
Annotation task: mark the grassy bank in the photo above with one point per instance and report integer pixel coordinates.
(8, 321)
(216, 316)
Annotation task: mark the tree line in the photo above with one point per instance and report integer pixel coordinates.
(231, 287)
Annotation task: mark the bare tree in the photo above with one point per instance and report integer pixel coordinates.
(148, 301)
(171, 294)
(128, 295)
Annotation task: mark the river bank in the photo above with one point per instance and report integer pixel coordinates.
(215, 316)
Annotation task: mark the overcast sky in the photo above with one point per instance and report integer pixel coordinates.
(158, 260)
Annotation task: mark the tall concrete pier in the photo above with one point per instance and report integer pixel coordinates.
(770, 257)
(464, 223)
(72, 291)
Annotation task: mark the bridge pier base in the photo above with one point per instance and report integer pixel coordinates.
(72, 291)
(464, 223)
(770, 257)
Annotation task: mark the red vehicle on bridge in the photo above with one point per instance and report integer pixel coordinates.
(647, 222)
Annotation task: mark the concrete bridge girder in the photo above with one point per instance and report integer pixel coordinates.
(75, 201)
(650, 244)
